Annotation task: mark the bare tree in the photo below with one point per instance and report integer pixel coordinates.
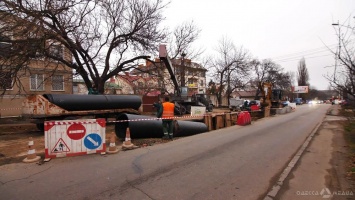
(181, 41)
(103, 37)
(343, 78)
(229, 67)
(268, 71)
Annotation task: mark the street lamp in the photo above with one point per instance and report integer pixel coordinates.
(337, 24)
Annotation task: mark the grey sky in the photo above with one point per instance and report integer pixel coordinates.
(283, 30)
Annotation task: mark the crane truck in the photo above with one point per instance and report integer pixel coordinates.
(182, 104)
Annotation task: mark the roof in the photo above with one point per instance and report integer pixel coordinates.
(129, 77)
(154, 93)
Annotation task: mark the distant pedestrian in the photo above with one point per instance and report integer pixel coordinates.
(168, 117)
(159, 106)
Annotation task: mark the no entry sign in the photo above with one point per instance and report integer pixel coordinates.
(76, 131)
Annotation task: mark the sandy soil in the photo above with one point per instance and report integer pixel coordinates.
(14, 140)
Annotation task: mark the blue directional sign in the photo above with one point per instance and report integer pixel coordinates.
(92, 141)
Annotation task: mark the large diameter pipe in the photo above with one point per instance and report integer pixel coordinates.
(187, 128)
(77, 102)
(141, 126)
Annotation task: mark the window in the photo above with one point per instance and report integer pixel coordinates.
(5, 43)
(201, 83)
(56, 50)
(37, 82)
(6, 81)
(5, 48)
(35, 48)
(57, 82)
(75, 89)
(34, 44)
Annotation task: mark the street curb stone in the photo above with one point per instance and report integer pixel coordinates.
(276, 188)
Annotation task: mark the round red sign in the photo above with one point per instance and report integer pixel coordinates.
(76, 131)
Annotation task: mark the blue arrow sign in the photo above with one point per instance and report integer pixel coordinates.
(92, 141)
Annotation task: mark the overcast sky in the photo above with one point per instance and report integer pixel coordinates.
(283, 30)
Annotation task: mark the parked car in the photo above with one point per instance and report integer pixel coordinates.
(254, 105)
(285, 103)
(298, 101)
(254, 102)
(235, 104)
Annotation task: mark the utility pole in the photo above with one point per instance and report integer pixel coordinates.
(182, 70)
(228, 84)
(337, 54)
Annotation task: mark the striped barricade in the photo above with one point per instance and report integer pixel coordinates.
(244, 118)
(74, 137)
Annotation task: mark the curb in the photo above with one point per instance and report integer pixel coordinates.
(277, 186)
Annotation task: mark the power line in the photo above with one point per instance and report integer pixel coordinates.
(298, 57)
(304, 53)
(295, 59)
(311, 51)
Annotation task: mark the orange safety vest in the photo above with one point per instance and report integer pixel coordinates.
(168, 110)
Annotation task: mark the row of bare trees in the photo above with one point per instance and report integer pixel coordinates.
(105, 37)
(233, 68)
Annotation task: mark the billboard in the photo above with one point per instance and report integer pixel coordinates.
(300, 89)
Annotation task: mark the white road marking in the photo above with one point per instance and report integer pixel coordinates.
(93, 141)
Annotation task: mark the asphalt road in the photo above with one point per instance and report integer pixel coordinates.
(230, 163)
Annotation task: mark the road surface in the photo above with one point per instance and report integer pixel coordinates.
(239, 162)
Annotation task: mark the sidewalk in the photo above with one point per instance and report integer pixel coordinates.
(320, 172)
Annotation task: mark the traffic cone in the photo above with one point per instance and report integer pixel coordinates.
(127, 144)
(112, 147)
(31, 154)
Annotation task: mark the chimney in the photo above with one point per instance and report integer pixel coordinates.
(112, 80)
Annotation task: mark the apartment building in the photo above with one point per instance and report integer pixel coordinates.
(38, 75)
(194, 75)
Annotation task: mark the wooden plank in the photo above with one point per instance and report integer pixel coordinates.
(228, 119)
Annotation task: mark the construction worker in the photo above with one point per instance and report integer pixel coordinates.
(168, 117)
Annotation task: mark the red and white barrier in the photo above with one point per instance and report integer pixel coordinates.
(74, 137)
(244, 118)
(31, 154)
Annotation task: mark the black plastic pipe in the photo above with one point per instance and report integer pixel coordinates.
(77, 102)
(141, 126)
(187, 128)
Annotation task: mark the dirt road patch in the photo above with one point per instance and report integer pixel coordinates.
(14, 140)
